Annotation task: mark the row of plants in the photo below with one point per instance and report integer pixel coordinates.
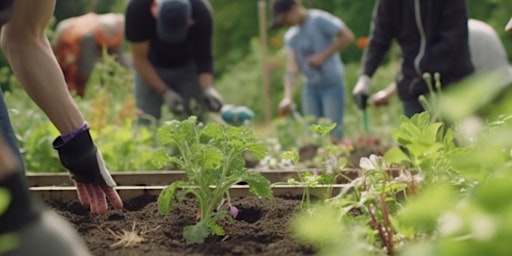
(109, 107)
(448, 194)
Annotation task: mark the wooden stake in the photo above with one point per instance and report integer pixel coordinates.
(265, 76)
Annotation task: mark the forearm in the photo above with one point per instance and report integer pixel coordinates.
(289, 84)
(343, 39)
(35, 66)
(147, 71)
(205, 79)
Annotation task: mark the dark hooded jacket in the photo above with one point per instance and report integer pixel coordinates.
(433, 37)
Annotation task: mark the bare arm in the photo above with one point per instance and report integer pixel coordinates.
(292, 70)
(205, 80)
(145, 69)
(32, 61)
(343, 39)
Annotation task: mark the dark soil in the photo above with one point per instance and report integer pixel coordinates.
(261, 228)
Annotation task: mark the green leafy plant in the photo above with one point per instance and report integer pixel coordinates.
(7, 241)
(330, 166)
(211, 156)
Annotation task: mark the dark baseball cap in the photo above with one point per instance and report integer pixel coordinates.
(173, 20)
(279, 8)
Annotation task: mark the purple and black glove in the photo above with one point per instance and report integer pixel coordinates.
(85, 163)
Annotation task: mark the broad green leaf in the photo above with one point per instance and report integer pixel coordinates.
(395, 156)
(165, 133)
(216, 229)
(291, 155)
(209, 157)
(196, 233)
(166, 197)
(494, 193)
(463, 99)
(160, 158)
(258, 150)
(258, 184)
(423, 211)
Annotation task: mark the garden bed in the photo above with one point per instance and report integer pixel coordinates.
(261, 228)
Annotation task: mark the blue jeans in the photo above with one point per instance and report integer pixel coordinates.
(7, 132)
(326, 100)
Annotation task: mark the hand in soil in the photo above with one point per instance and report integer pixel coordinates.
(94, 196)
(92, 179)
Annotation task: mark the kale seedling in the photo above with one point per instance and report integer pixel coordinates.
(211, 156)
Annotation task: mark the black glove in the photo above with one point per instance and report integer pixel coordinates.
(92, 179)
(83, 160)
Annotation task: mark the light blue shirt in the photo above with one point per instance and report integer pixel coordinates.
(316, 34)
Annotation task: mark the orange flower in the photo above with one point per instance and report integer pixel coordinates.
(362, 42)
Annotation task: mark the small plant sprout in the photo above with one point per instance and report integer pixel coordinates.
(211, 156)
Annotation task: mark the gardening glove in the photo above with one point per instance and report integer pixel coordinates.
(36, 229)
(174, 101)
(212, 99)
(85, 163)
(362, 91)
(286, 107)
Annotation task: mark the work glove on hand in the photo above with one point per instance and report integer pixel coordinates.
(361, 91)
(212, 99)
(286, 107)
(174, 101)
(92, 179)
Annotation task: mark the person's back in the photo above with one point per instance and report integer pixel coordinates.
(433, 37)
(79, 40)
(487, 50)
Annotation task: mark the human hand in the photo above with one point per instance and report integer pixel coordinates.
(315, 60)
(92, 179)
(286, 107)
(212, 99)
(381, 98)
(174, 101)
(362, 91)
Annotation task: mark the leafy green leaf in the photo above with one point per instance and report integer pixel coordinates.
(258, 184)
(395, 156)
(166, 197)
(423, 212)
(159, 158)
(196, 233)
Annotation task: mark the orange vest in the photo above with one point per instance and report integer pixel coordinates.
(108, 30)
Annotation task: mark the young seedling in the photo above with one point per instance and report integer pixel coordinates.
(211, 156)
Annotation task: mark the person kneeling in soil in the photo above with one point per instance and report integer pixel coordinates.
(80, 40)
(36, 229)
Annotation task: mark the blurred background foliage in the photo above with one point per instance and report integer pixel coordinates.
(236, 23)
(239, 67)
